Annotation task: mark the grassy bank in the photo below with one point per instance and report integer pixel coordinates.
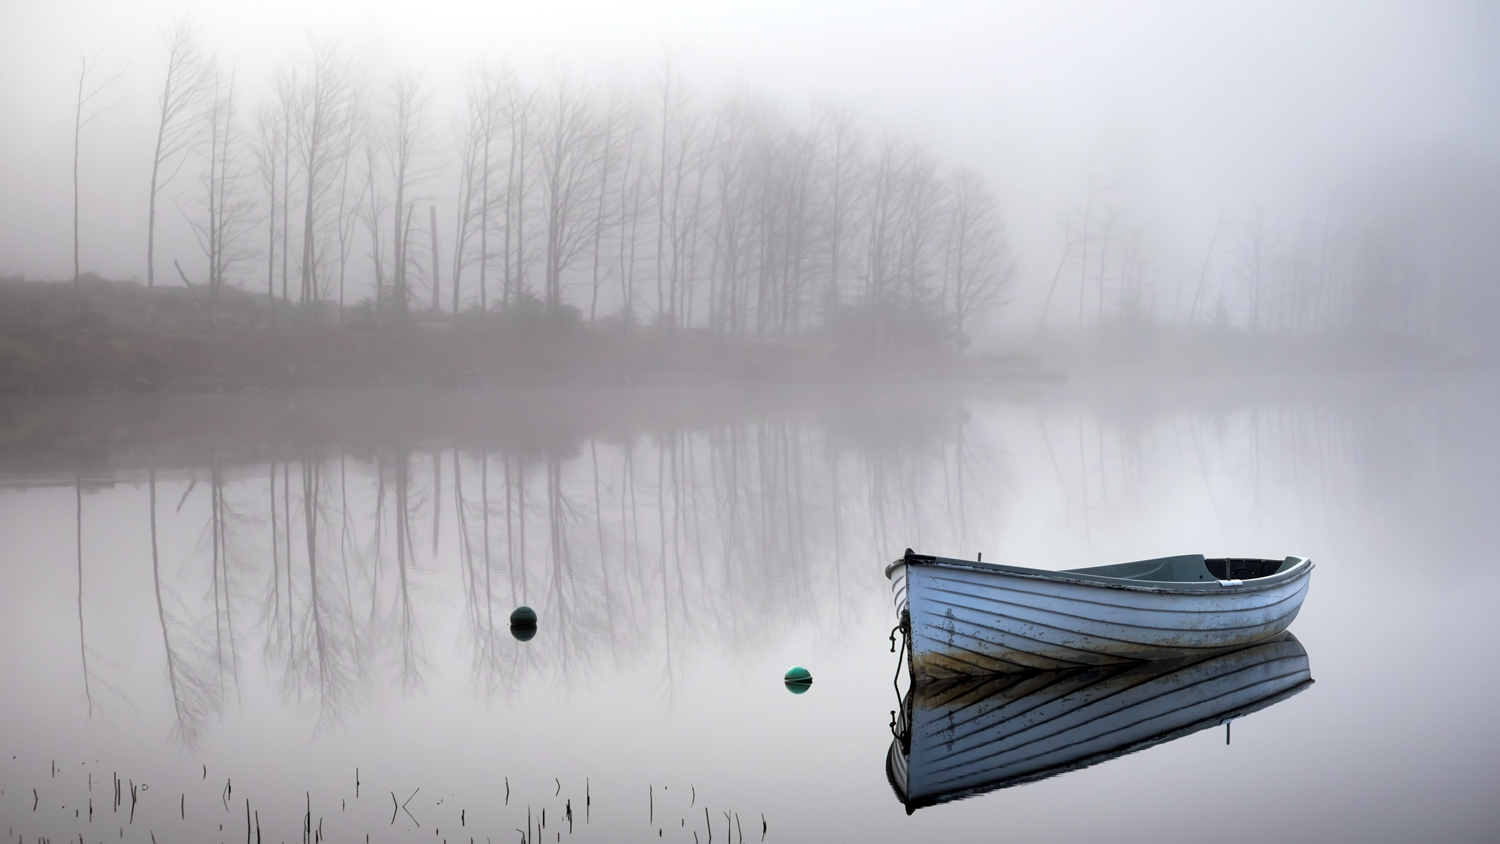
(98, 339)
(463, 354)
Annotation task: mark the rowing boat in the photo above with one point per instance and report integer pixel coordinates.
(965, 618)
(959, 738)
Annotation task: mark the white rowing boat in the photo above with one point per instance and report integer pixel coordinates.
(955, 739)
(969, 618)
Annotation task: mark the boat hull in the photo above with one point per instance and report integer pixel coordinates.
(970, 619)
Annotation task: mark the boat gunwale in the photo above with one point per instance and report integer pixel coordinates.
(1300, 569)
(1175, 611)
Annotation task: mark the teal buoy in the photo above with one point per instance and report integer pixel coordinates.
(523, 616)
(798, 679)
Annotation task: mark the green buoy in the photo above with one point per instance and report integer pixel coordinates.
(798, 679)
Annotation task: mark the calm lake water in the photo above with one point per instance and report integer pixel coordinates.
(299, 605)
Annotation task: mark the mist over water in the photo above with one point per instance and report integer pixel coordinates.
(332, 333)
(1265, 167)
(318, 605)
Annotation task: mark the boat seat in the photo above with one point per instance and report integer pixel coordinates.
(1242, 569)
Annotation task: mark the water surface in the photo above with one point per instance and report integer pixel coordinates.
(223, 599)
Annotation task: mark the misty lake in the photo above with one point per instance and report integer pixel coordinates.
(288, 613)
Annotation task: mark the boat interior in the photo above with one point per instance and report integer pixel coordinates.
(1187, 568)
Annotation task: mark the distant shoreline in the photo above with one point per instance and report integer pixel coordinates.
(104, 341)
(463, 355)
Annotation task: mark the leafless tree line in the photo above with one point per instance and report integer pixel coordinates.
(568, 200)
(1398, 254)
(660, 206)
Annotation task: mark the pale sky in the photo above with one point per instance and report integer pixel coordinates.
(1189, 108)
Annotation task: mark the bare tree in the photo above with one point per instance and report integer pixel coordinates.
(739, 183)
(569, 176)
(268, 154)
(882, 213)
(1203, 273)
(371, 211)
(667, 104)
(981, 268)
(409, 147)
(1256, 256)
(228, 212)
(475, 134)
(841, 198)
(696, 226)
(679, 170)
(351, 198)
(1107, 237)
(1069, 241)
(326, 114)
(922, 195)
(613, 127)
(685, 149)
(286, 102)
(632, 181)
(176, 129)
(85, 109)
(273, 155)
(491, 99)
(902, 226)
(479, 161)
(520, 107)
(1136, 302)
(799, 154)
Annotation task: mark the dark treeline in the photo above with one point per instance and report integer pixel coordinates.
(330, 194)
(347, 197)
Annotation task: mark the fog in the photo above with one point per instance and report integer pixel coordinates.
(286, 588)
(1175, 121)
(332, 334)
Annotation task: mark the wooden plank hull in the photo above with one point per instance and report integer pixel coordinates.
(970, 619)
(959, 738)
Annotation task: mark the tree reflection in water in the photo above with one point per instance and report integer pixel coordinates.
(648, 544)
(636, 550)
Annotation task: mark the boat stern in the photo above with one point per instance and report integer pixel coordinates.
(897, 573)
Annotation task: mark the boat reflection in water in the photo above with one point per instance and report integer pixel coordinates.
(960, 738)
